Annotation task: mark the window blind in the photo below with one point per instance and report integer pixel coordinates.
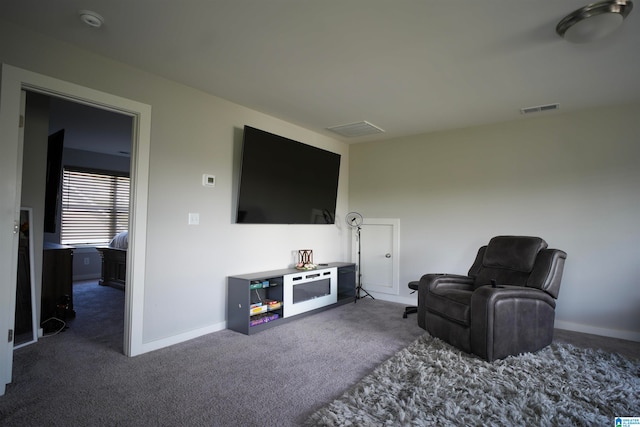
(95, 206)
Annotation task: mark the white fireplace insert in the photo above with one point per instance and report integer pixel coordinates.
(309, 290)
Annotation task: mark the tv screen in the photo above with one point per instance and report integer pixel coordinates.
(283, 181)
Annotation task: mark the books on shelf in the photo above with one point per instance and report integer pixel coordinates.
(263, 318)
(264, 306)
(259, 284)
(257, 309)
(272, 304)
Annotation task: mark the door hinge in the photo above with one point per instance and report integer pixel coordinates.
(10, 335)
(21, 121)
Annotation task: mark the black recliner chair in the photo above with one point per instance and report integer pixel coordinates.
(504, 306)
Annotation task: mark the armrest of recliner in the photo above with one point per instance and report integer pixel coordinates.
(457, 281)
(438, 281)
(486, 297)
(450, 281)
(516, 312)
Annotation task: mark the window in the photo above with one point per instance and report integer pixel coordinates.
(95, 206)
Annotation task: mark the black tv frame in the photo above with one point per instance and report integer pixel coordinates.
(283, 181)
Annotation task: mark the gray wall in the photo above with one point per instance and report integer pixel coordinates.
(192, 133)
(569, 178)
(572, 179)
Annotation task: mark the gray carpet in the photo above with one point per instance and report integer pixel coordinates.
(278, 377)
(431, 383)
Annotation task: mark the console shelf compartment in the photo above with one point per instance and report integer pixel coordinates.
(258, 301)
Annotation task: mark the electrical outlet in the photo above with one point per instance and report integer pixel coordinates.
(87, 260)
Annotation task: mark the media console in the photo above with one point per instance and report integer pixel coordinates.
(262, 300)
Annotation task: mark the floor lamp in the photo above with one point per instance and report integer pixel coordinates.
(354, 220)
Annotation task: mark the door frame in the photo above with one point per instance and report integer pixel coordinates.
(395, 264)
(13, 81)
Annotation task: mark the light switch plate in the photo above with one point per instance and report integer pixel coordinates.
(194, 218)
(208, 180)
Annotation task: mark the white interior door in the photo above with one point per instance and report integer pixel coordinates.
(12, 104)
(379, 255)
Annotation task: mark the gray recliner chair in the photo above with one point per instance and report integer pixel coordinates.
(504, 306)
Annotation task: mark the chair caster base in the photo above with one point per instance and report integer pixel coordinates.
(409, 310)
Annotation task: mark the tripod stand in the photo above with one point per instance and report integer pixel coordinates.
(359, 288)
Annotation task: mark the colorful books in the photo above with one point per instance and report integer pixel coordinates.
(264, 318)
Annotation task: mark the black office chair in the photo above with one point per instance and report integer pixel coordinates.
(412, 308)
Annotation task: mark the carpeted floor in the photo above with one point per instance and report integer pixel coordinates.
(280, 376)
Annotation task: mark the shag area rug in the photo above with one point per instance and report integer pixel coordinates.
(431, 383)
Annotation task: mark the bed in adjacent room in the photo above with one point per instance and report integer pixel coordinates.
(114, 261)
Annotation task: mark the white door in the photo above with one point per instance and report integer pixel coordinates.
(10, 169)
(379, 250)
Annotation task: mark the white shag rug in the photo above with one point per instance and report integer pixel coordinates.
(431, 383)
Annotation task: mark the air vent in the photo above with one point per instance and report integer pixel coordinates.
(356, 129)
(539, 108)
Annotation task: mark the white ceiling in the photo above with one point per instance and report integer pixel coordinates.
(407, 66)
(91, 129)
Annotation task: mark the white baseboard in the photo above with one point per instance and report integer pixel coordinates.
(605, 332)
(394, 298)
(177, 339)
(560, 324)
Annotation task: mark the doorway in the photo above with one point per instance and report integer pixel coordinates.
(13, 82)
(90, 148)
(380, 255)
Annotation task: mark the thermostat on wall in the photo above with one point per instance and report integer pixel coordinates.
(208, 180)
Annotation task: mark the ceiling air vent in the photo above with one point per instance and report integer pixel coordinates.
(539, 108)
(356, 129)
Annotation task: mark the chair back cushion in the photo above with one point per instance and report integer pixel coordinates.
(507, 260)
(516, 253)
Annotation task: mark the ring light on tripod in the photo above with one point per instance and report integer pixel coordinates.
(354, 220)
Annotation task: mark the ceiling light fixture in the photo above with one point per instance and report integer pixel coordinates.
(594, 21)
(91, 18)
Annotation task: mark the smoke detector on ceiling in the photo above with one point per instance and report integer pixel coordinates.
(356, 129)
(91, 18)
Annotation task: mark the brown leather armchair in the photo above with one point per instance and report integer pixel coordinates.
(504, 306)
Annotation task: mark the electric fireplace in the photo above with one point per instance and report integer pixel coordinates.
(310, 290)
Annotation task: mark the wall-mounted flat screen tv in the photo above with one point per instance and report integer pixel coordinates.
(283, 181)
